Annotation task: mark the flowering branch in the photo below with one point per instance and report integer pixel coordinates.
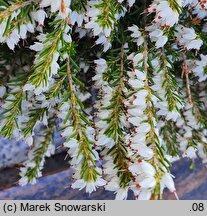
(32, 168)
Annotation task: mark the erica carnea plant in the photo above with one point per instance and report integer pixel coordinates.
(124, 82)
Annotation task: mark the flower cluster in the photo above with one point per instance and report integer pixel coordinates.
(187, 38)
(102, 16)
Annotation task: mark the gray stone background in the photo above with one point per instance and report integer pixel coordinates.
(191, 184)
(12, 152)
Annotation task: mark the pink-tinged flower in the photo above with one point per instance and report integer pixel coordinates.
(167, 182)
(39, 16)
(37, 46)
(190, 153)
(121, 193)
(90, 186)
(144, 195)
(161, 41)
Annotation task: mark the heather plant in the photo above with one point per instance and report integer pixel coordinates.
(123, 81)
